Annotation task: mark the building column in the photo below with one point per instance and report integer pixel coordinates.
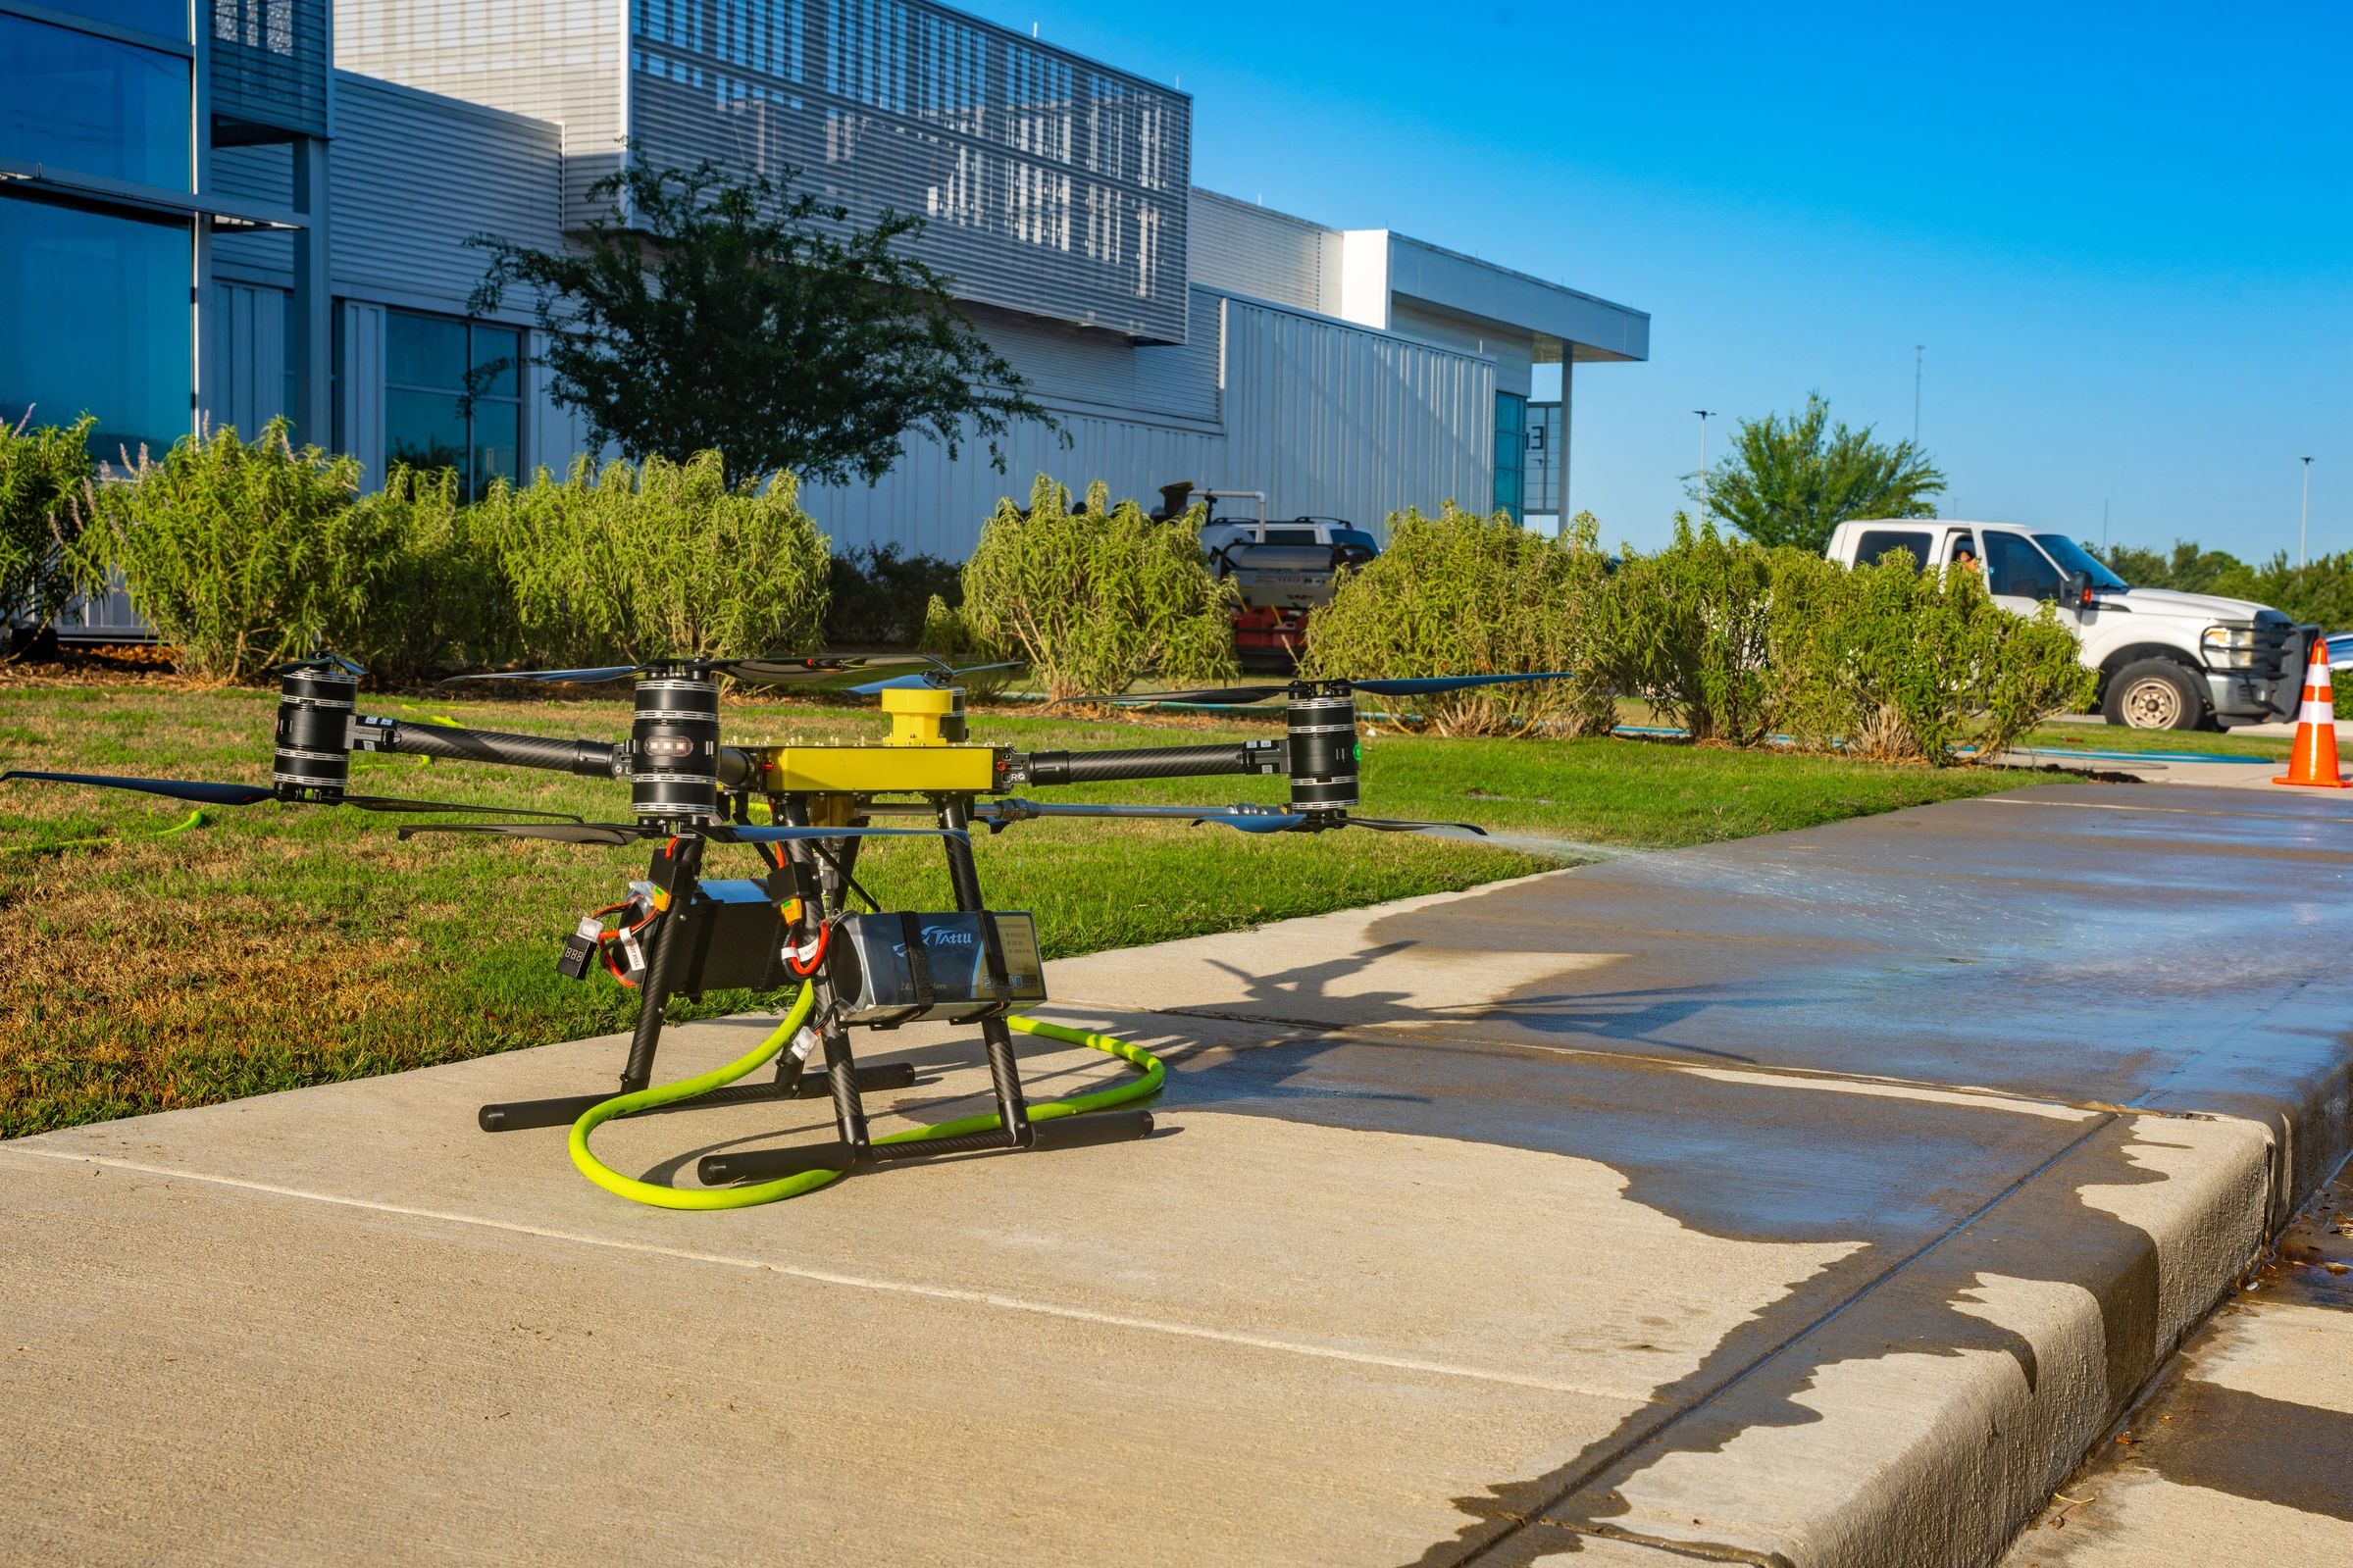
(1568, 352)
(310, 350)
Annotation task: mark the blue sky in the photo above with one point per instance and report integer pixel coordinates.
(2124, 234)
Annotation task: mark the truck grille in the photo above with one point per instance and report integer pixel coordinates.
(2279, 646)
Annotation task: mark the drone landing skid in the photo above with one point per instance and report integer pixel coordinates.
(518, 1116)
(710, 931)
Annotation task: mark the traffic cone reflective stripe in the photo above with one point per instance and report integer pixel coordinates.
(2314, 761)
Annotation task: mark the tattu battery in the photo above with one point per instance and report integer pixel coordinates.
(892, 969)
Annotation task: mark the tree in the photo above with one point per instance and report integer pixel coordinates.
(703, 311)
(1792, 481)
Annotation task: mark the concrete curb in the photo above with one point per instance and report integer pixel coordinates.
(1875, 1441)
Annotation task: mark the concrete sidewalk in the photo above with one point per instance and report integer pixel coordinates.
(1816, 1198)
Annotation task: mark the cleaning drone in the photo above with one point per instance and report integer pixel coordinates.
(678, 933)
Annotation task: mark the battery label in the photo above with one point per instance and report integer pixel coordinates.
(892, 968)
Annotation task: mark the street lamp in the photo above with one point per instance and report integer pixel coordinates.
(2304, 516)
(1705, 413)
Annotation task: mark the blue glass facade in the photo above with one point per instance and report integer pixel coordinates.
(454, 397)
(94, 318)
(87, 105)
(96, 267)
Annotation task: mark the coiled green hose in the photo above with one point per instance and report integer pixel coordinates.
(758, 1193)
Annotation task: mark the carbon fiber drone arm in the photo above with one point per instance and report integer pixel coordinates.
(590, 759)
(1027, 769)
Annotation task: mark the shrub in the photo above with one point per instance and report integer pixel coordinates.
(1093, 600)
(948, 633)
(665, 559)
(440, 602)
(1688, 631)
(1461, 594)
(1899, 664)
(238, 555)
(42, 469)
(881, 596)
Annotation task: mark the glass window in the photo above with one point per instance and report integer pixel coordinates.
(2015, 567)
(94, 317)
(1877, 542)
(1511, 453)
(87, 105)
(454, 397)
(2073, 557)
(166, 18)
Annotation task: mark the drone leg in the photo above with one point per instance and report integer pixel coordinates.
(841, 1076)
(667, 940)
(669, 944)
(1004, 1074)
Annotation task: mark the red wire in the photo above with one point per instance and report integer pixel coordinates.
(824, 936)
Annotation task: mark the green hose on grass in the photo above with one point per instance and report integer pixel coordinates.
(757, 1193)
(194, 819)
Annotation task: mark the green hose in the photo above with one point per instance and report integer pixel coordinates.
(757, 1193)
(191, 820)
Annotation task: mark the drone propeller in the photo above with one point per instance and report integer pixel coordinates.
(1243, 818)
(623, 833)
(206, 794)
(773, 670)
(934, 678)
(1409, 686)
(318, 661)
(234, 794)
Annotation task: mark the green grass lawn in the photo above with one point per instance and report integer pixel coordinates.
(2115, 737)
(274, 947)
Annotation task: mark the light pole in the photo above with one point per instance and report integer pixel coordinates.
(1705, 415)
(1920, 353)
(2304, 516)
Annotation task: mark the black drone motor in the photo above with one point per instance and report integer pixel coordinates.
(673, 746)
(1322, 720)
(313, 756)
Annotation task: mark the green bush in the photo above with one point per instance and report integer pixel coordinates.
(43, 469)
(238, 555)
(881, 595)
(1461, 594)
(665, 559)
(1093, 600)
(440, 602)
(1897, 663)
(1688, 634)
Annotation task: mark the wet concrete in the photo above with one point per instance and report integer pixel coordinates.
(2150, 946)
(1810, 1200)
(2242, 1453)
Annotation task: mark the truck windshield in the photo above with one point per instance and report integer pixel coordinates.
(2073, 557)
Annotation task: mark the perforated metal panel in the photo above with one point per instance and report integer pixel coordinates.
(268, 68)
(1050, 184)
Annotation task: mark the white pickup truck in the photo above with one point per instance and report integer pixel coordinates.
(2166, 659)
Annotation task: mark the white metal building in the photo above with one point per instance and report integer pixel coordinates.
(1179, 334)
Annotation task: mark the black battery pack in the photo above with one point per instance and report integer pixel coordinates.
(889, 969)
(735, 937)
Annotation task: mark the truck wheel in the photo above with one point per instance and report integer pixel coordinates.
(2155, 694)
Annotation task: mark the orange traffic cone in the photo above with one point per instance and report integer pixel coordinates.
(2314, 761)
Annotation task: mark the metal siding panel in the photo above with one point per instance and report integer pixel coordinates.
(1263, 254)
(1050, 184)
(262, 174)
(269, 62)
(246, 350)
(1332, 419)
(1327, 418)
(487, 172)
(930, 504)
(362, 374)
(1074, 370)
(557, 61)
